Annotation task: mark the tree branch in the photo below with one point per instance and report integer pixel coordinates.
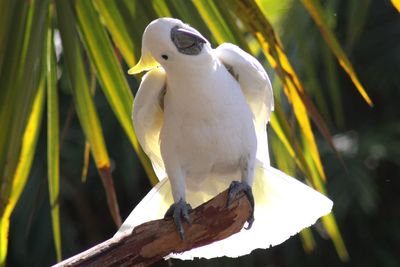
(151, 241)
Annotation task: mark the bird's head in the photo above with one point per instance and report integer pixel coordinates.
(168, 42)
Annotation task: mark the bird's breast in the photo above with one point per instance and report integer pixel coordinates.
(204, 93)
(207, 123)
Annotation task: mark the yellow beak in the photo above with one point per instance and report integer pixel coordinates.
(146, 62)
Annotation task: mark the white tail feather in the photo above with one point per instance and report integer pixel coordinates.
(284, 206)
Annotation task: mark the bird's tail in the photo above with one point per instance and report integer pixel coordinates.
(284, 206)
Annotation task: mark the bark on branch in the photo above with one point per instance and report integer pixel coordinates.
(151, 241)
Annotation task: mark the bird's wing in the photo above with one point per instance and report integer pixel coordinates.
(256, 87)
(147, 119)
(252, 78)
(148, 116)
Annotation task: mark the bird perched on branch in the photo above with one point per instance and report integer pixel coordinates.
(200, 114)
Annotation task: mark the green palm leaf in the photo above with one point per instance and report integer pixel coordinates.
(84, 103)
(109, 72)
(53, 147)
(29, 141)
(315, 10)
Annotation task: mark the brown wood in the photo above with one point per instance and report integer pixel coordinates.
(151, 241)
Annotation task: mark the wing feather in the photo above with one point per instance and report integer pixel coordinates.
(147, 116)
(256, 87)
(252, 78)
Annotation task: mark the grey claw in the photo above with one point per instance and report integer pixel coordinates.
(234, 188)
(179, 211)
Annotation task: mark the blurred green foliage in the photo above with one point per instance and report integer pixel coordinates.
(365, 191)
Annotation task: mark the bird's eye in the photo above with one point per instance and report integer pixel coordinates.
(164, 57)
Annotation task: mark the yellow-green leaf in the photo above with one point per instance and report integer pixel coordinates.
(53, 147)
(300, 112)
(108, 69)
(315, 10)
(20, 177)
(161, 8)
(257, 23)
(139, 14)
(307, 239)
(4, 228)
(215, 21)
(186, 11)
(396, 4)
(86, 158)
(110, 74)
(20, 80)
(329, 221)
(117, 28)
(286, 135)
(11, 103)
(86, 153)
(19, 83)
(80, 87)
(333, 230)
(84, 104)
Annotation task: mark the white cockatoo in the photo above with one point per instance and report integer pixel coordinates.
(200, 114)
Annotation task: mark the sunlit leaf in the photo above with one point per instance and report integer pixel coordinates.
(20, 77)
(315, 177)
(109, 72)
(9, 101)
(300, 112)
(257, 23)
(307, 239)
(53, 147)
(396, 4)
(19, 81)
(217, 24)
(118, 29)
(137, 15)
(285, 161)
(186, 11)
(105, 62)
(85, 108)
(86, 160)
(86, 152)
(333, 230)
(286, 135)
(315, 10)
(275, 11)
(161, 8)
(20, 177)
(329, 221)
(4, 228)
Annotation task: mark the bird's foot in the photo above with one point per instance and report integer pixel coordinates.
(234, 189)
(179, 212)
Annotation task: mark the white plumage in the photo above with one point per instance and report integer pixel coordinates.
(198, 117)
